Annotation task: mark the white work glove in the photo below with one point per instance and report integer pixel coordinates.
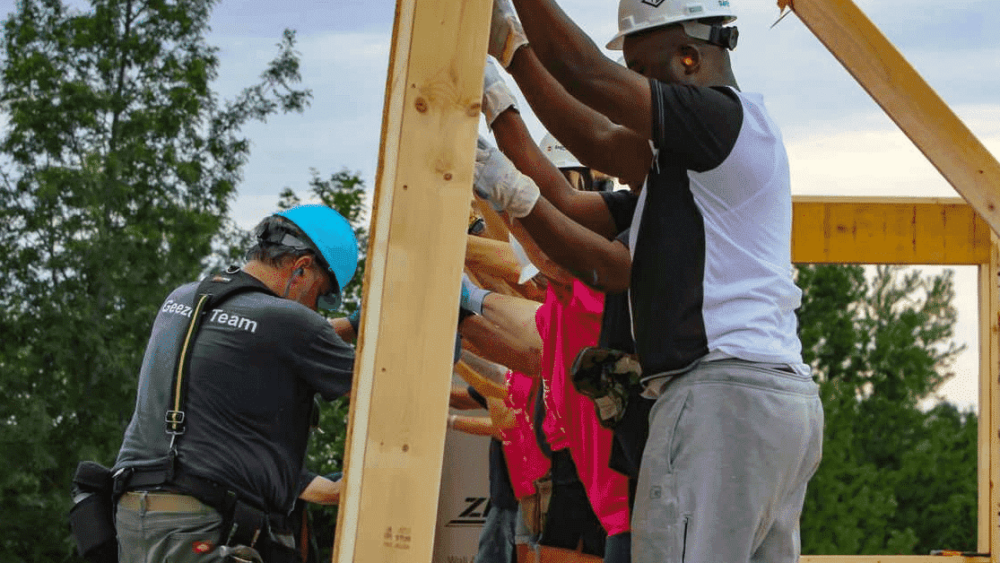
(499, 182)
(496, 96)
(506, 33)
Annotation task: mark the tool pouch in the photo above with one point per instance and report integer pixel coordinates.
(92, 517)
(535, 506)
(247, 525)
(606, 377)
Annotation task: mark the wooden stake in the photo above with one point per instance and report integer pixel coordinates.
(904, 95)
(421, 208)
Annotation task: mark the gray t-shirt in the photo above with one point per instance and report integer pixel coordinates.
(255, 367)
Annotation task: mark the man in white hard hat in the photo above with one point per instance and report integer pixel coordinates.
(736, 430)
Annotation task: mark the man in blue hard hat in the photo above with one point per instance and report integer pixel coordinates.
(213, 456)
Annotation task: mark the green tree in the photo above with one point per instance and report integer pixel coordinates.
(878, 347)
(117, 168)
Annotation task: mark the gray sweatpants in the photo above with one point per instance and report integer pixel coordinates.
(732, 445)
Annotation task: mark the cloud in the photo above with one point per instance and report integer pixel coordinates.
(866, 154)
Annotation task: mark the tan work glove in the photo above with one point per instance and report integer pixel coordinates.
(506, 33)
(498, 181)
(496, 96)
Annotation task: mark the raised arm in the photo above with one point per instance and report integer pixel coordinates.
(573, 59)
(514, 140)
(596, 261)
(593, 138)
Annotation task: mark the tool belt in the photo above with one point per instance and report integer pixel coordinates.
(92, 517)
(243, 523)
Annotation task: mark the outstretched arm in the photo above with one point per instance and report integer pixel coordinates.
(579, 65)
(593, 138)
(514, 140)
(505, 333)
(322, 491)
(602, 264)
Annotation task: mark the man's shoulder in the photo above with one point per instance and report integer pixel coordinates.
(277, 307)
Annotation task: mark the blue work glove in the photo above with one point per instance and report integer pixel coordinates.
(472, 296)
(355, 319)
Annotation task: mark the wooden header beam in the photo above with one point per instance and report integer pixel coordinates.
(888, 231)
(922, 115)
(403, 368)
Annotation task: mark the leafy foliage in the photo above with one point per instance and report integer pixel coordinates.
(894, 479)
(117, 169)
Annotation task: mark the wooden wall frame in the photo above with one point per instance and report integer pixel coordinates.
(963, 160)
(945, 231)
(397, 422)
(907, 99)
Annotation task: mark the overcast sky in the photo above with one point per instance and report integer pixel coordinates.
(839, 141)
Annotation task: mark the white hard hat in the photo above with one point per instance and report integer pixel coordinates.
(639, 15)
(557, 154)
(528, 270)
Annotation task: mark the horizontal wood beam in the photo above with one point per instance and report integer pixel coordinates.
(907, 99)
(888, 231)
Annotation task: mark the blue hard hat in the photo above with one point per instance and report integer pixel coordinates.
(331, 234)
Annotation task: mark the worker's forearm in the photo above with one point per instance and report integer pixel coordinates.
(593, 138)
(477, 425)
(565, 50)
(554, 272)
(461, 400)
(602, 264)
(499, 345)
(322, 491)
(516, 316)
(514, 140)
(493, 257)
(586, 208)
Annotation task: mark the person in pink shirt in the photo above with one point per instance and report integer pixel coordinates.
(589, 499)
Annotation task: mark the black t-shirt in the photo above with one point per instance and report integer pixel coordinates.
(695, 128)
(501, 490)
(256, 364)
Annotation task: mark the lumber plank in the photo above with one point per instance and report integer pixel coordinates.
(888, 231)
(988, 536)
(496, 229)
(484, 386)
(493, 257)
(907, 99)
(420, 214)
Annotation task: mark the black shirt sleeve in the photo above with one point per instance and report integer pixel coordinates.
(327, 361)
(621, 204)
(616, 324)
(693, 126)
